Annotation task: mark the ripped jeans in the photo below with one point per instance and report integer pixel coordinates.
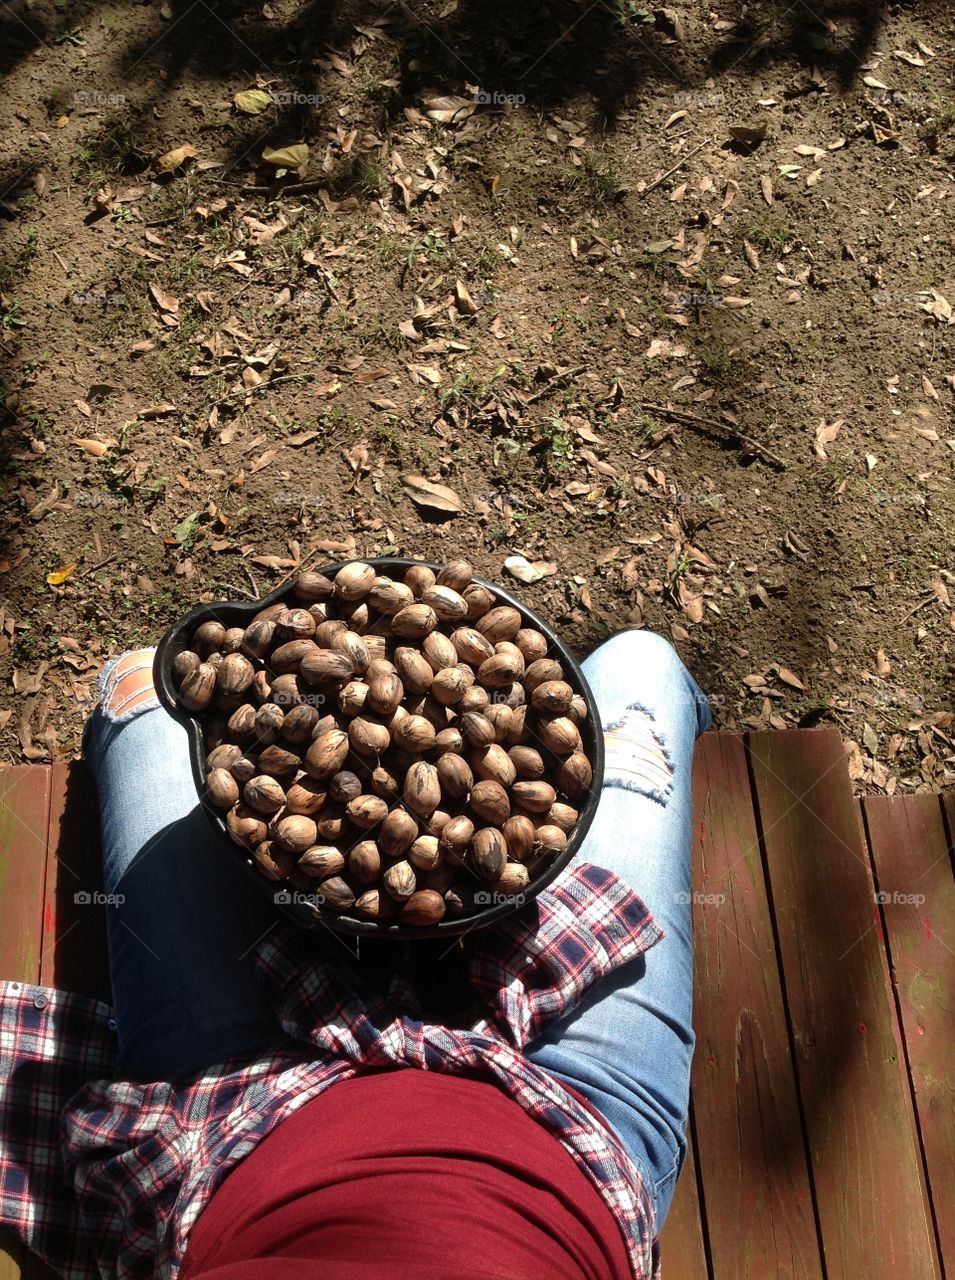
(628, 1047)
(185, 992)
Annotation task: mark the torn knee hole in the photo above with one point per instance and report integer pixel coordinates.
(130, 683)
(636, 756)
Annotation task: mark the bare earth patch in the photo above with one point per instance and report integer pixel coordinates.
(654, 305)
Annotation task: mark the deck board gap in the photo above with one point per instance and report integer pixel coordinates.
(900, 1023)
(700, 1195)
(790, 1030)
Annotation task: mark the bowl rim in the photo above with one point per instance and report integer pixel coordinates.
(308, 916)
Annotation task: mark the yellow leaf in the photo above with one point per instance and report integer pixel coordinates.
(252, 101)
(287, 157)
(59, 576)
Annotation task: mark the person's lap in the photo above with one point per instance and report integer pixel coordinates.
(185, 990)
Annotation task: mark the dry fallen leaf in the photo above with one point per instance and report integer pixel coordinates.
(294, 157)
(262, 461)
(748, 133)
(449, 109)
(59, 576)
(252, 102)
(96, 447)
(436, 497)
(172, 160)
(463, 300)
(366, 376)
(529, 571)
(790, 678)
(939, 307)
(164, 301)
(825, 434)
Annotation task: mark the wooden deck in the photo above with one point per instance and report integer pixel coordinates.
(823, 1101)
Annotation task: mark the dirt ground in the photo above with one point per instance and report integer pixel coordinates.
(661, 296)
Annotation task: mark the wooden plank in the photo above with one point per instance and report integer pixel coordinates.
(751, 1147)
(910, 853)
(24, 815)
(74, 953)
(682, 1249)
(866, 1165)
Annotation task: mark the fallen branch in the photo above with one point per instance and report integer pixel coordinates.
(705, 427)
(679, 165)
(552, 384)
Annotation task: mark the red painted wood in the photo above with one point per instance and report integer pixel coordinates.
(751, 1147)
(24, 816)
(909, 848)
(865, 1160)
(682, 1253)
(865, 1157)
(74, 932)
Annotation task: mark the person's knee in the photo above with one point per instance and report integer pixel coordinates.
(637, 650)
(130, 682)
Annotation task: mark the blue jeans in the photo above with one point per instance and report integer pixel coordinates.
(183, 928)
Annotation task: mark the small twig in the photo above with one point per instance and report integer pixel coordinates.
(564, 375)
(232, 586)
(293, 189)
(679, 165)
(705, 427)
(255, 585)
(274, 382)
(930, 599)
(101, 564)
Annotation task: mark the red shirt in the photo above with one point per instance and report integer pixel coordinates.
(414, 1176)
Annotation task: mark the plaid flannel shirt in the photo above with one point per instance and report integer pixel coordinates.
(99, 1175)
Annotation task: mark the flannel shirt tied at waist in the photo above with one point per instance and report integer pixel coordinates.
(104, 1176)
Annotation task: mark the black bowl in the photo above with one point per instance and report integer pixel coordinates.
(233, 614)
